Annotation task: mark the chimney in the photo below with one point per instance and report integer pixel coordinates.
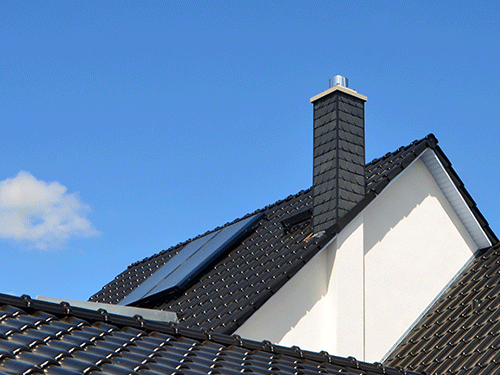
(339, 153)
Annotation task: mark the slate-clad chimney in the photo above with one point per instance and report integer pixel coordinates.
(339, 153)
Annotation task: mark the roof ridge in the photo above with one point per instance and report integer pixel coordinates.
(189, 302)
(430, 138)
(378, 174)
(229, 223)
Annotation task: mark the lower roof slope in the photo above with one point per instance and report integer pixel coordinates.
(45, 338)
(460, 334)
(239, 282)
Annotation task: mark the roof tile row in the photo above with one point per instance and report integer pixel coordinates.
(45, 338)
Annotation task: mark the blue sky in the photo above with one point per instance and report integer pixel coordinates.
(132, 126)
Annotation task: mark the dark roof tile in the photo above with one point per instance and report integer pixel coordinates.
(228, 293)
(91, 345)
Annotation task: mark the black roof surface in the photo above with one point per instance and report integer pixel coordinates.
(45, 338)
(460, 334)
(236, 285)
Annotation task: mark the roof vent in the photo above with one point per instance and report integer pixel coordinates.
(338, 80)
(291, 223)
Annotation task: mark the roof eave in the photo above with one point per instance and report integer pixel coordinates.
(458, 197)
(453, 188)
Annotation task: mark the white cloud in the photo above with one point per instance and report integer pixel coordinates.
(40, 212)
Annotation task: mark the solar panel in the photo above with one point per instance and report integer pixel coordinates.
(191, 260)
(169, 267)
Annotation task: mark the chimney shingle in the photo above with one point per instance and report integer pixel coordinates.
(339, 154)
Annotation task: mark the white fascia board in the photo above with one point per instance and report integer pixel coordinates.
(456, 199)
(451, 193)
(146, 314)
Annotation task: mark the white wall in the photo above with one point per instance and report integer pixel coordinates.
(358, 296)
(414, 244)
(307, 309)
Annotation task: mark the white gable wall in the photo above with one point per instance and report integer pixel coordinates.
(360, 293)
(414, 245)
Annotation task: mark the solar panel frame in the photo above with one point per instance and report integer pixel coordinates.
(159, 275)
(211, 249)
(191, 260)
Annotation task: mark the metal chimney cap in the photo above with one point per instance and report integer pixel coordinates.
(338, 83)
(338, 80)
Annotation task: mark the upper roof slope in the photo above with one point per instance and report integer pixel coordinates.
(45, 338)
(236, 285)
(460, 334)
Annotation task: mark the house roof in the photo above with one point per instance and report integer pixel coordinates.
(39, 337)
(460, 333)
(236, 284)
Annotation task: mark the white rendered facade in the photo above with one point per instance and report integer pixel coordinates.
(360, 293)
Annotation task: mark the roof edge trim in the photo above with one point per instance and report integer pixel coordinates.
(149, 314)
(482, 235)
(455, 198)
